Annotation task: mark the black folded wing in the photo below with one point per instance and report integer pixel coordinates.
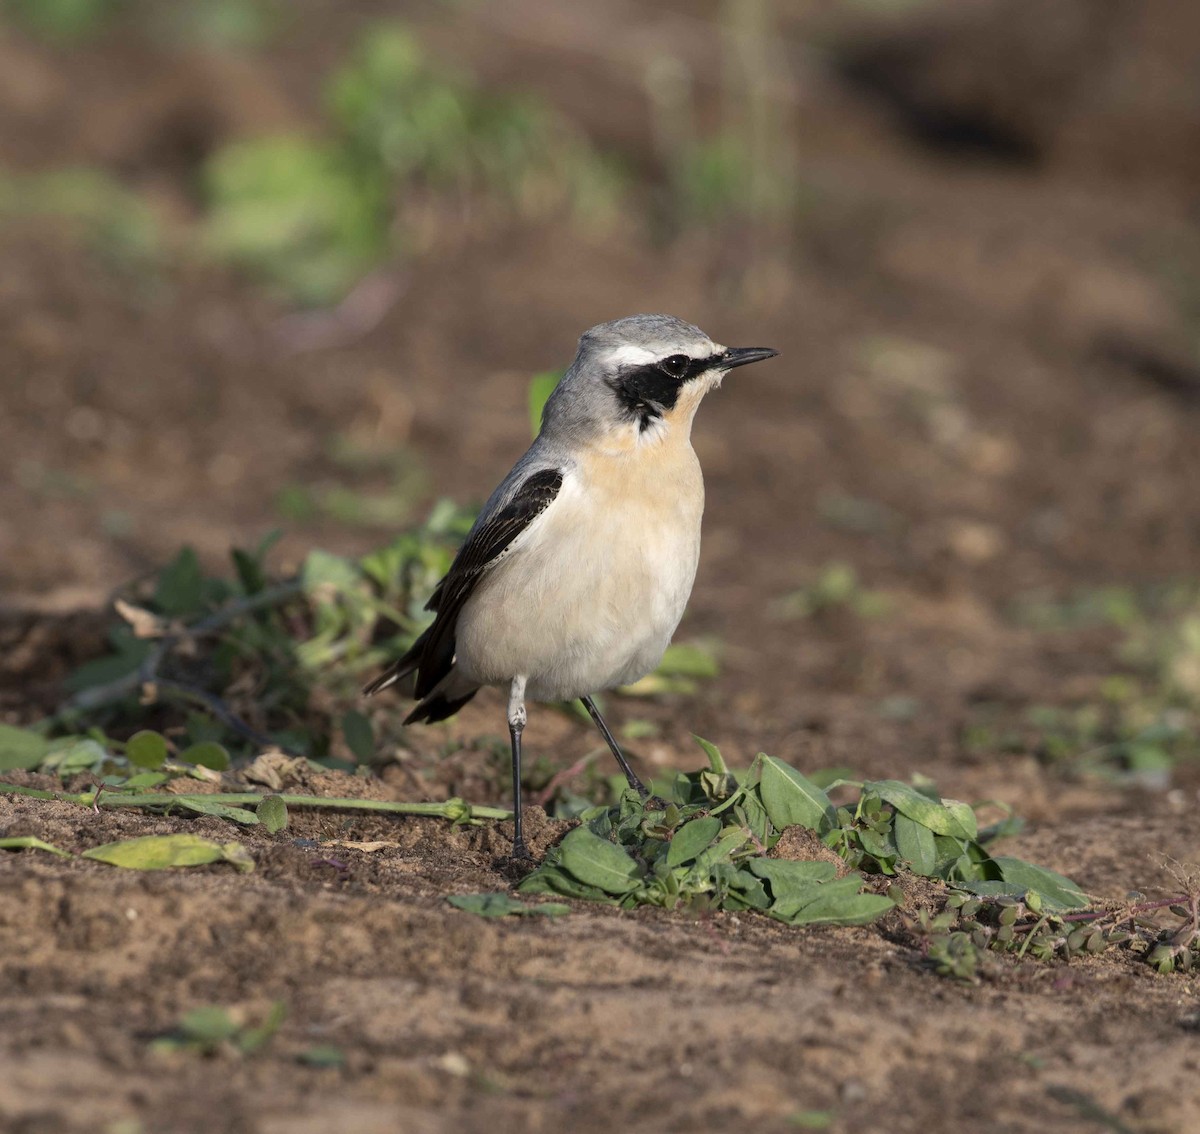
(431, 656)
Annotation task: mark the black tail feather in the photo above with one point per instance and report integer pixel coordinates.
(437, 707)
(400, 669)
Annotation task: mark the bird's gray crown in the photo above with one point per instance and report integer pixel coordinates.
(659, 335)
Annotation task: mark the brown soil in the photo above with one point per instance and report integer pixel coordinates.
(991, 342)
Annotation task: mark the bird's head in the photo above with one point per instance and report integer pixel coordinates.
(636, 380)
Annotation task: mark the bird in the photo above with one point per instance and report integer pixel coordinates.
(575, 574)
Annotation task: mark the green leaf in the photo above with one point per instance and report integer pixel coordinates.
(202, 806)
(597, 862)
(690, 839)
(256, 1038)
(964, 814)
(716, 762)
(683, 659)
(21, 749)
(322, 1055)
(74, 754)
(273, 814)
(1056, 890)
(359, 735)
(147, 749)
(916, 844)
(840, 903)
(143, 781)
(550, 879)
(323, 570)
(946, 818)
(31, 842)
(785, 873)
(791, 799)
(158, 852)
(127, 656)
(988, 888)
(208, 1024)
(541, 386)
(502, 905)
(812, 1119)
(793, 883)
(180, 587)
(207, 754)
(732, 841)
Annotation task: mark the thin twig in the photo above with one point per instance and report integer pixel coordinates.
(450, 809)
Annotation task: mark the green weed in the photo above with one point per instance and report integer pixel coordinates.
(746, 168)
(111, 220)
(311, 217)
(1147, 715)
(708, 848)
(213, 1030)
(836, 588)
(62, 21)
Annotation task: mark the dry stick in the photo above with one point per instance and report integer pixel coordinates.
(456, 809)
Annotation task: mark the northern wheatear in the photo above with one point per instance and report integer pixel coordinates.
(578, 569)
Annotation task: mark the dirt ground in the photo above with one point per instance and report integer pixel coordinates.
(987, 388)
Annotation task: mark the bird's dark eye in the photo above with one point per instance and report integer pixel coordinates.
(676, 365)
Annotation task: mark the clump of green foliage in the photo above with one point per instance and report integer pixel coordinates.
(212, 1030)
(1146, 716)
(237, 659)
(958, 940)
(112, 220)
(62, 21)
(709, 848)
(745, 169)
(311, 216)
(297, 212)
(221, 23)
(837, 587)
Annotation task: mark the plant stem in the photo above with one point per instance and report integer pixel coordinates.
(449, 809)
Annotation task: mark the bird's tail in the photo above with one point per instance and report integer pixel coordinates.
(398, 670)
(444, 700)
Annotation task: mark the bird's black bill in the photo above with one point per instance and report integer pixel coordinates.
(742, 355)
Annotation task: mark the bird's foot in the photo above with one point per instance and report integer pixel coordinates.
(517, 864)
(654, 802)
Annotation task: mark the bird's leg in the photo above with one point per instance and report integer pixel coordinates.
(615, 748)
(516, 725)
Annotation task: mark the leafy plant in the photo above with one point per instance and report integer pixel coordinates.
(297, 212)
(235, 659)
(1146, 716)
(710, 848)
(504, 905)
(836, 588)
(745, 169)
(213, 1030)
(113, 220)
(65, 21)
(957, 941)
(311, 217)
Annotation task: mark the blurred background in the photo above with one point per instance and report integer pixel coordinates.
(293, 265)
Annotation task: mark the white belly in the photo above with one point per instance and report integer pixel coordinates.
(590, 595)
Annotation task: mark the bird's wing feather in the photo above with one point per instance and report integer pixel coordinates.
(499, 525)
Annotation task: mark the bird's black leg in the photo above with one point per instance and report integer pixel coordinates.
(615, 748)
(516, 725)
